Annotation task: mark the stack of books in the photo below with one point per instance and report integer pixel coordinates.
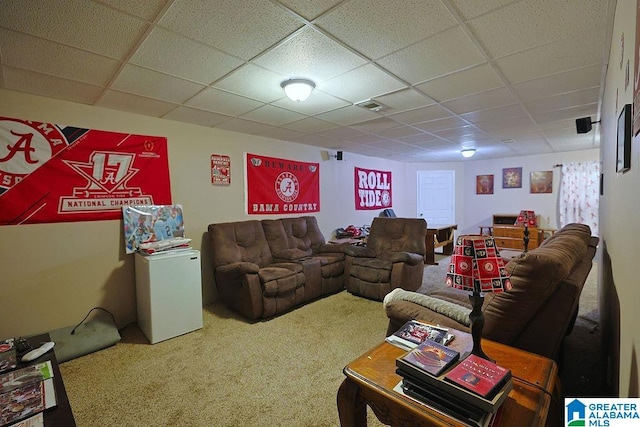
(414, 332)
(468, 388)
(25, 393)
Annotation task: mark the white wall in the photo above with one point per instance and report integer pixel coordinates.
(619, 290)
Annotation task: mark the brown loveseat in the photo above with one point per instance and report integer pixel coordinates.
(535, 315)
(263, 268)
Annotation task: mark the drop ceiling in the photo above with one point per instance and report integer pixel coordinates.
(507, 78)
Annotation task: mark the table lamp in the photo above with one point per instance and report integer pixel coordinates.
(476, 266)
(526, 219)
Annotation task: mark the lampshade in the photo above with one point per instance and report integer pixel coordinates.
(527, 217)
(468, 152)
(298, 89)
(476, 266)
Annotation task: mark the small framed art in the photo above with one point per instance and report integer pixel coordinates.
(623, 155)
(541, 182)
(484, 184)
(512, 178)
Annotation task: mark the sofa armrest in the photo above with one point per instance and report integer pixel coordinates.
(406, 257)
(360, 251)
(453, 311)
(238, 269)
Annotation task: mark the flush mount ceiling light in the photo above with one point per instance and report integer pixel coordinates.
(298, 89)
(468, 152)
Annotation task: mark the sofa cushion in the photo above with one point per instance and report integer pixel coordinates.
(242, 241)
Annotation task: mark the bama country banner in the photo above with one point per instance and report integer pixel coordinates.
(372, 189)
(53, 173)
(281, 186)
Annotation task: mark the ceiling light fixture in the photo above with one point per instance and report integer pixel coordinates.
(298, 89)
(468, 152)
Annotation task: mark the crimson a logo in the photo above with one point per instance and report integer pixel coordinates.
(287, 187)
(24, 147)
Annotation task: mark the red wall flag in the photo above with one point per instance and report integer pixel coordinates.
(53, 173)
(280, 186)
(372, 188)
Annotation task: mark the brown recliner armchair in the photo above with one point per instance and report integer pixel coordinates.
(393, 258)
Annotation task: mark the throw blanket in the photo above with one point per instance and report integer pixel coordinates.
(454, 311)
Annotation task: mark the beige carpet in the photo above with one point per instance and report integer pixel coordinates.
(282, 372)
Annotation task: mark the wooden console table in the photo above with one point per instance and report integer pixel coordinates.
(370, 380)
(438, 236)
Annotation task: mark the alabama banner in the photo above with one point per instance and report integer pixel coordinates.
(280, 186)
(373, 189)
(54, 173)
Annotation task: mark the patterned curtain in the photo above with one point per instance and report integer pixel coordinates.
(579, 194)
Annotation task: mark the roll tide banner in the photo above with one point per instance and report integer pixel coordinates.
(372, 189)
(53, 173)
(281, 186)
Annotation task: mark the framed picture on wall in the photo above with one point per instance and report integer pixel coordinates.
(512, 178)
(541, 182)
(484, 184)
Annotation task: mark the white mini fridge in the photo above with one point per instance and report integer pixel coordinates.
(169, 294)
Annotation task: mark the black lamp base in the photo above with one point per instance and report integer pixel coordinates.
(477, 323)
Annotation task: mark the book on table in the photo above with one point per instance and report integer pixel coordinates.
(493, 396)
(431, 357)
(26, 392)
(479, 375)
(415, 332)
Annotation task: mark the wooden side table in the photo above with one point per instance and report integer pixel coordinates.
(438, 236)
(370, 380)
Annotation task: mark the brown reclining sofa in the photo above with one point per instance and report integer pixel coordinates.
(535, 315)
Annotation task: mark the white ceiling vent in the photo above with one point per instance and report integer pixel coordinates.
(508, 141)
(371, 105)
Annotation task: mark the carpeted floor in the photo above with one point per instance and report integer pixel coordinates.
(281, 372)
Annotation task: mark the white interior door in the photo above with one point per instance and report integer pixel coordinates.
(436, 197)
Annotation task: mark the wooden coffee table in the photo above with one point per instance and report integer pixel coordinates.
(370, 379)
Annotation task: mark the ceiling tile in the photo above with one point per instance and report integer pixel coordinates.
(244, 126)
(310, 55)
(552, 58)
(510, 29)
(147, 9)
(311, 124)
(424, 114)
(179, 56)
(53, 87)
(498, 113)
(42, 56)
(222, 102)
(361, 84)
(480, 101)
(134, 104)
(348, 115)
(455, 85)
(440, 124)
(441, 54)
(310, 9)
(254, 82)
(152, 84)
(375, 125)
(197, 117)
(403, 100)
(568, 81)
(243, 28)
(272, 115)
(565, 100)
(74, 23)
(389, 26)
